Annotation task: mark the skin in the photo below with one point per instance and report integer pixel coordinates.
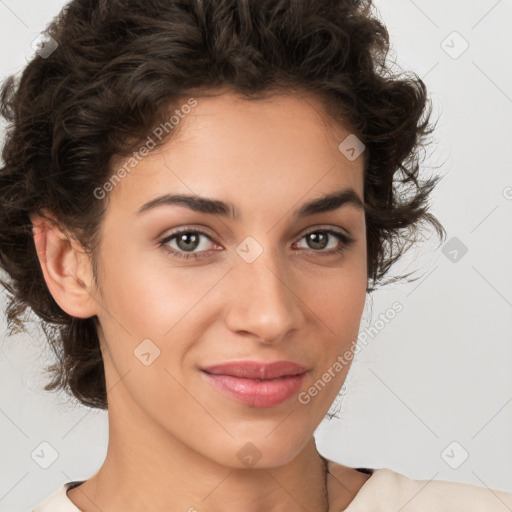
(172, 436)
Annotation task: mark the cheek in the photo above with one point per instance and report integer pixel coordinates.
(340, 301)
(338, 306)
(143, 293)
(149, 300)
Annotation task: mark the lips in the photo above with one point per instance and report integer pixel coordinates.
(257, 384)
(256, 370)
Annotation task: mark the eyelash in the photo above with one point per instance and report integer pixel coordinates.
(345, 240)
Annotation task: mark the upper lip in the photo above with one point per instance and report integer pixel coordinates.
(257, 370)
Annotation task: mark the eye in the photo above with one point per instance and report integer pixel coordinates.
(319, 240)
(183, 243)
(186, 241)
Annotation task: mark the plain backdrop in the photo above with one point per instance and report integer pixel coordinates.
(430, 393)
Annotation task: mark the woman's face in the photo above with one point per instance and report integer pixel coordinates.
(264, 285)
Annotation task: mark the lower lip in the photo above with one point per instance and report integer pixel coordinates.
(255, 393)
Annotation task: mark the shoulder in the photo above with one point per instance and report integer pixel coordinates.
(386, 489)
(344, 483)
(58, 501)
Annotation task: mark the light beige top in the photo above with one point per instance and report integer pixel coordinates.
(384, 491)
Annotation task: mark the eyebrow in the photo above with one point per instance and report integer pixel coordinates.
(330, 202)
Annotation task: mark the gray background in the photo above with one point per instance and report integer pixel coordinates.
(434, 384)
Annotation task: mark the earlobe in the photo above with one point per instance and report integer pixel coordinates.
(65, 267)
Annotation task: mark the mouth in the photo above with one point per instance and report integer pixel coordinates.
(257, 370)
(257, 384)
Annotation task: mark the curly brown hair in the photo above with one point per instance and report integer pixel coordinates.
(119, 68)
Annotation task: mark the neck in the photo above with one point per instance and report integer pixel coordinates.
(172, 477)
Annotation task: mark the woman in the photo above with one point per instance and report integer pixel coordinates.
(192, 193)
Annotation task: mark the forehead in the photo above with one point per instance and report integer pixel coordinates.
(226, 144)
(301, 114)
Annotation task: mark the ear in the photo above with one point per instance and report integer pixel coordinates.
(66, 267)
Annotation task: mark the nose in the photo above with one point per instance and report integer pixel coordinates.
(264, 299)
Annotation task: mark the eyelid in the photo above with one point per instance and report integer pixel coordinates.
(186, 228)
(326, 227)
